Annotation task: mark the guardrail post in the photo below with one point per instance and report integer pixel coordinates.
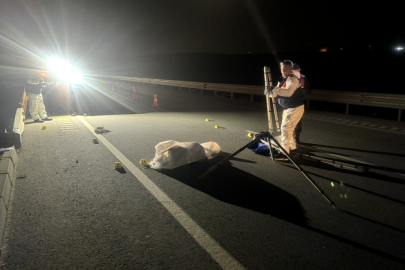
(347, 108)
(307, 107)
(399, 115)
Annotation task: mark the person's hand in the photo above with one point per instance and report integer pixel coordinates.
(268, 90)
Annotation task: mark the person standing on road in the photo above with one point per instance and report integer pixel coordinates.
(77, 105)
(289, 96)
(306, 90)
(33, 88)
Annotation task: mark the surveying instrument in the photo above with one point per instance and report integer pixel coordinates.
(271, 142)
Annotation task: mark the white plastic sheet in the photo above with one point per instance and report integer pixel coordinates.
(172, 154)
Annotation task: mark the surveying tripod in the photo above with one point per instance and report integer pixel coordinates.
(270, 100)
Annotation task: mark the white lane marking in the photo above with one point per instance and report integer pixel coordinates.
(360, 125)
(220, 255)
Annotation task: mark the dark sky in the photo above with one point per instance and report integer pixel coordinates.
(86, 30)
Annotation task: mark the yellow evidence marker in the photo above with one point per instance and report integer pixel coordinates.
(144, 162)
(117, 165)
(43, 128)
(207, 120)
(217, 126)
(250, 134)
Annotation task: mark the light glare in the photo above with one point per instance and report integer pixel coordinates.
(65, 71)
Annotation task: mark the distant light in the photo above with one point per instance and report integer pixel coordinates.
(323, 49)
(399, 48)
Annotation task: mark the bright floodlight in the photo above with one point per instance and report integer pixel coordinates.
(399, 48)
(64, 71)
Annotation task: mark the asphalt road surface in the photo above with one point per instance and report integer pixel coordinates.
(71, 209)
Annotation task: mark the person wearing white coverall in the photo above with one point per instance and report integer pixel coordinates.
(289, 96)
(33, 88)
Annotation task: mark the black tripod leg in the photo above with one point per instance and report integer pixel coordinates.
(216, 166)
(306, 176)
(271, 151)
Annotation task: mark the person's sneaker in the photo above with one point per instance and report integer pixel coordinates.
(47, 119)
(280, 156)
(38, 121)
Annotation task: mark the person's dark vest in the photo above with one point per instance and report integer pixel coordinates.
(297, 98)
(33, 88)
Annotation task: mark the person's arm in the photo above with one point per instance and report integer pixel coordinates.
(288, 91)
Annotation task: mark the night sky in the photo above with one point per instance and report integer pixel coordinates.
(96, 29)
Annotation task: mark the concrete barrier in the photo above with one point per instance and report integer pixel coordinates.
(8, 160)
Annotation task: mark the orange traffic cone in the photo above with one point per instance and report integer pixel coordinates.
(112, 88)
(134, 96)
(155, 103)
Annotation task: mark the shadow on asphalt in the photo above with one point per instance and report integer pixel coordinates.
(240, 188)
(358, 188)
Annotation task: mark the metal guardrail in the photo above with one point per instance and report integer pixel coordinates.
(392, 101)
(231, 88)
(349, 98)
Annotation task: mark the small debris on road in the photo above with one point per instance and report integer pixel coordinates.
(101, 130)
(95, 141)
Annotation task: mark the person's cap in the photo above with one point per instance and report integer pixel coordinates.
(295, 66)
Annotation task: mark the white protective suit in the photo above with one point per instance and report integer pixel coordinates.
(35, 100)
(291, 116)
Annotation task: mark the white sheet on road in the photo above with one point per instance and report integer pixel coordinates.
(173, 154)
